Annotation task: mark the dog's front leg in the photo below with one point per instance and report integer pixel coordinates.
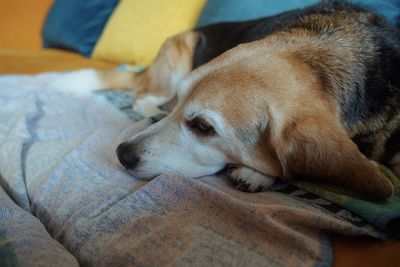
(249, 180)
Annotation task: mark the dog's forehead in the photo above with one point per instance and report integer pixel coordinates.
(196, 108)
(234, 106)
(238, 89)
(213, 91)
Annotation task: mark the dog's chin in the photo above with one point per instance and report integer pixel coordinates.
(142, 172)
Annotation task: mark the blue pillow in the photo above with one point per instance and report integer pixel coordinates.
(238, 10)
(387, 8)
(76, 24)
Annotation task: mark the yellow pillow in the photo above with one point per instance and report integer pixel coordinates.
(138, 28)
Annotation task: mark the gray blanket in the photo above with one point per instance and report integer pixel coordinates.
(64, 199)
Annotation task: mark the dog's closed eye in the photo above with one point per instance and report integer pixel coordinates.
(201, 127)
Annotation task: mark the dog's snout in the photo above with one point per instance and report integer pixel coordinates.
(127, 155)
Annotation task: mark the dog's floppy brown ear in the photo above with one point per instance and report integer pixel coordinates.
(320, 148)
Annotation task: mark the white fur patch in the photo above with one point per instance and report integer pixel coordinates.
(77, 83)
(250, 180)
(148, 105)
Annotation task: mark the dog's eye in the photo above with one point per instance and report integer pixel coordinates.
(200, 126)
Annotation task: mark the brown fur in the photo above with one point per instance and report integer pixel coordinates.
(172, 63)
(302, 137)
(285, 96)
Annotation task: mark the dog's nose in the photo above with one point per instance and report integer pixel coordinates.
(127, 155)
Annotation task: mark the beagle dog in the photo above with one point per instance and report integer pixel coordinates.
(310, 93)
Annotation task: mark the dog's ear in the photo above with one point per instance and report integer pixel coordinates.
(319, 148)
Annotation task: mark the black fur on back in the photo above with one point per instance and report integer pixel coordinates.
(378, 98)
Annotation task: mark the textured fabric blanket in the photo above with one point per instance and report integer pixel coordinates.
(385, 216)
(65, 199)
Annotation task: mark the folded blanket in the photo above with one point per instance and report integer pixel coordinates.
(58, 163)
(385, 215)
(24, 240)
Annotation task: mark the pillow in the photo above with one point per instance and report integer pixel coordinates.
(237, 10)
(387, 8)
(75, 24)
(137, 29)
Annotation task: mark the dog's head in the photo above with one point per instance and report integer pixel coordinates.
(267, 111)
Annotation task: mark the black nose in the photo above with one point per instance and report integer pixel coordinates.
(127, 155)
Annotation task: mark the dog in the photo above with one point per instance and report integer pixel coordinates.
(313, 93)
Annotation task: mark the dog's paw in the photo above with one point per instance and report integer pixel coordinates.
(147, 106)
(249, 180)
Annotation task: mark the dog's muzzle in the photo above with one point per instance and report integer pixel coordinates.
(128, 156)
